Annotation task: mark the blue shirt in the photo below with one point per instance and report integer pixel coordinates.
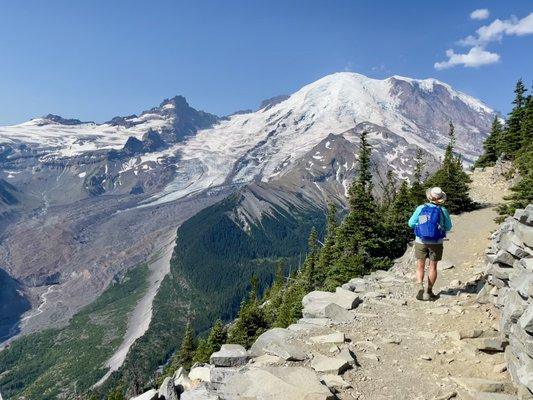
(445, 221)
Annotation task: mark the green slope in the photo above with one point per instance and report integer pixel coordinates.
(213, 262)
(69, 360)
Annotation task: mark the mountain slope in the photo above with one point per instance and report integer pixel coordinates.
(104, 194)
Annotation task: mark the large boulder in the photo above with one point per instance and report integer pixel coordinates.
(276, 383)
(181, 380)
(276, 342)
(200, 373)
(167, 391)
(342, 297)
(229, 355)
(525, 234)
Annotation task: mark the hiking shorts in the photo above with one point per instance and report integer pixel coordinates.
(426, 250)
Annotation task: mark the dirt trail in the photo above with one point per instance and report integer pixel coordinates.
(406, 348)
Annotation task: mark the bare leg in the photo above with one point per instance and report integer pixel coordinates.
(432, 275)
(420, 265)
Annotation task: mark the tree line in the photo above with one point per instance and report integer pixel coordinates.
(513, 141)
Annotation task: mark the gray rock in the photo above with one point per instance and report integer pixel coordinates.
(524, 233)
(357, 285)
(335, 337)
(504, 257)
(344, 298)
(444, 265)
(199, 393)
(200, 373)
(334, 382)
(276, 383)
(480, 385)
(525, 264)
(276, 342)
(303, 327)
(181, 380)
(512, 244)
(488, 343)
(220, 375)
(315, 321)
(347, 355)
(498, 272)
(167, 390)
(513, 309)
(523, 283)
(149, 395)
(525, 321)
(338, 314)
(525, 373)
(229, 355)
(331, 365)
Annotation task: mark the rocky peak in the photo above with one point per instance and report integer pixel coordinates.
(63, 121)
(271, 102)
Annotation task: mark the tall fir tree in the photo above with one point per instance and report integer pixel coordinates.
(217, 337)
(417, 190)
(452, 179)
(309, 276)
(188, 347)
(492, 145)
(511, 138)
(357, 237)
(327, 253)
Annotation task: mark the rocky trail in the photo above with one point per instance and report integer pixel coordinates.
(371, 340)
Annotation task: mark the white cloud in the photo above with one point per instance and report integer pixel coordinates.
(476, 57)
(497, 29)
(480, 13)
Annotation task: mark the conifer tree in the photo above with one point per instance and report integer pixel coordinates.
(274, 298)
(327, 254)
(309, 278)
(358, 235)
(492, 145)
(290, 309)
(397, 232)
(188, 347)
(452, 179)
(417, 191)
(217, 337)
(511, 138)
(251, 320)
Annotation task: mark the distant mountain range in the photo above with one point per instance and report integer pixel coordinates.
(81, 203)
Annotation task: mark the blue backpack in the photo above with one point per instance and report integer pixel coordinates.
(428, 226)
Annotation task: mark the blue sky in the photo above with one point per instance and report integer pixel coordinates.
(96, 59)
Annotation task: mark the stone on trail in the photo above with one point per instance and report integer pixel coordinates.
(504, 257)
(371, 356)
(199, 393)
(479, 384)
(465, 334)
(304, 327)
(276, 342)
(444, 265)
(266, 360)
(229, 355)
(334, 365)
(334, 382)
(276, 383)
(335, 337)
(498, 368)
(347, 355)
(488, 344)
(167, 390)
(200, 373)
(315, 321)
(149, 395)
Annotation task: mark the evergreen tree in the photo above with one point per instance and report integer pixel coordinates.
(452, 179)
(357, 237)
(217, 337)
(309, 278)
(290, 309)
(188, 347)
(274, 298)
(116, 394)
(417, 191)
(327, 254)
(397, 232)
(251, 320)
(492, 145)
(511, 138)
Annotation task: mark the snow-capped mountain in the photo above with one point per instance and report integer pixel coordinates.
(105, 193)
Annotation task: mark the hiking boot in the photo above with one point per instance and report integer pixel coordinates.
(431, 296)
(419, 290)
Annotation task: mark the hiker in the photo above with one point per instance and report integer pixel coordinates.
(430, 221)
